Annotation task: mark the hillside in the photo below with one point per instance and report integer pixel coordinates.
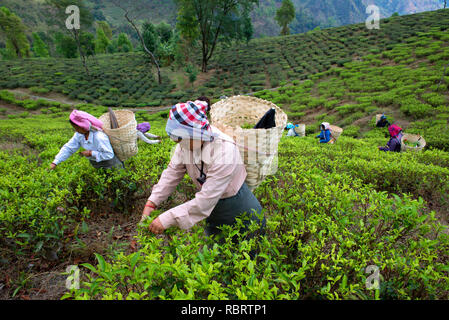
(264, 63)
(309, 13)
(332, 209)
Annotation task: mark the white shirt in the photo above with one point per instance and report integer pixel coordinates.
(291, 133)
(98, 142)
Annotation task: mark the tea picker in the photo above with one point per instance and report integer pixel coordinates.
(394, 144)
(142, 129)
(213, 161)
(90, 136)
(295, 130)
(144, 135)
(381, 121)
(325, 134)
(123, 132)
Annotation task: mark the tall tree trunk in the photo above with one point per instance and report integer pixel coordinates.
(17, 49)
(204, 62)
(145, 48)
(82, 55)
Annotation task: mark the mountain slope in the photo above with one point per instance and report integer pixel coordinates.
(309, 13)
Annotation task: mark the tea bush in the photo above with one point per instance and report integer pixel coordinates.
(332, 210)
(324, 228)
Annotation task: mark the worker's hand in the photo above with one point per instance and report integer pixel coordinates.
(52, 166)
(147, 210)
(86, 153)
(156, 226)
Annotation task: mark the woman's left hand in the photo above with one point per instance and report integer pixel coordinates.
(156, 226)
(86, 153)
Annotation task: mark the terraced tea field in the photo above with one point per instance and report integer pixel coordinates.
(332, 210)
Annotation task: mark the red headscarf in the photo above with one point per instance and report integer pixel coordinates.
(394, 130)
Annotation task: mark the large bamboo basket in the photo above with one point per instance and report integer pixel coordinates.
(412, 138)
(123, 139)
(301, 130)
(258, 147)
(335, 133)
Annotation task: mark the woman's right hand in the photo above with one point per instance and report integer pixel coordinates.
(52, 166)
(149, 207)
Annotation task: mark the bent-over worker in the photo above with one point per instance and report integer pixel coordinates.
(90, 136)
(213, 162)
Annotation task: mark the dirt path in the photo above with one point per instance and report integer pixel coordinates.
(57, 97)
(54, 97)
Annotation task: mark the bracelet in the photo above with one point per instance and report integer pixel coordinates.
(151, 206)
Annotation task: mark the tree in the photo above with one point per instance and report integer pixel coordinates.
(150, 36)
(106, 28)
(164, 31)
(58, 10)
(192, 73)
(248, 29)
(166, 52)
(132, 11)
(87, 41)
(211, 21)
(285, 15)
(39, 47)
(102, 42)
(160, 40)
(123, 43)
(303, 22)
(66, 46)
(13, 29)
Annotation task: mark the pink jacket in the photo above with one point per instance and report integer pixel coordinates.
(225, 173)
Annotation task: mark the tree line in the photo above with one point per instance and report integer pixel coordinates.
(202, 25)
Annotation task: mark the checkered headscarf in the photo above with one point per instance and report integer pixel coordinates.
(192, 114)
(188, 120)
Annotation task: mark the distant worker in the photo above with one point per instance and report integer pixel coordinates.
(90, 136)
(144, 135)
(383, 122)
(394, 144)
(291, 130)
(325, 135)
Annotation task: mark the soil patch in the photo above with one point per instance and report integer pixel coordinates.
(51, 96)
(106, 232)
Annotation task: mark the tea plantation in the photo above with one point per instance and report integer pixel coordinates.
(332, 210)
(127, 79)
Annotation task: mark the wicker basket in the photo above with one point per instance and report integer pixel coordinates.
(258, 147)
(412, 138)
(335, 133)
(123, 139)
(378, 116)
(301, 130)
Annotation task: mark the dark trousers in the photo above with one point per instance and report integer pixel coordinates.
(227, 210)
(108, 164)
